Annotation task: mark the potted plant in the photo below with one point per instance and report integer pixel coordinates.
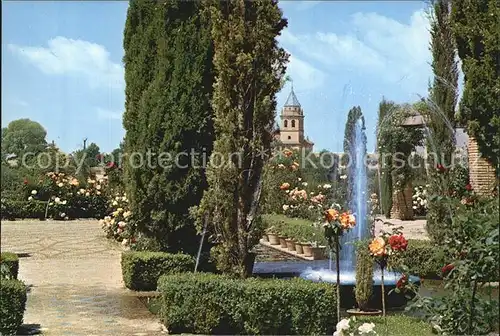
(299, 247)
(317, 251)
(272, 235)
(290, 244)
(282, 241)
(364, 281)
(307, 248)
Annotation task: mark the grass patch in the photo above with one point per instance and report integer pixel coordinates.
(400, 325)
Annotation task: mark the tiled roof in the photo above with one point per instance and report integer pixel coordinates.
(292, 100)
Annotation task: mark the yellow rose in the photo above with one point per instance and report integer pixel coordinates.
(377, 247)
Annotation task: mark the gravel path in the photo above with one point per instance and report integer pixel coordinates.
(75, 280)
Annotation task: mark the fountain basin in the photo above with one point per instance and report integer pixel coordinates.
(319, 271)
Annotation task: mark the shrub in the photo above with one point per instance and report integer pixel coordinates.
(422, 257)
(11, 261)
(364, 276)
(301, 230)
(141, 270)
(214, 304)
(12, 305)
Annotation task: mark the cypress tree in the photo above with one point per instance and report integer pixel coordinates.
(168, 72)
(475, 26)
(250, 66)
(440, 112)
(349, 145)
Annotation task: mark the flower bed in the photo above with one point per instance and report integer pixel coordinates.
(58, 196)
(212, 304)
(141, 270)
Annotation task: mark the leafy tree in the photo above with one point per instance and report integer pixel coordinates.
(386, 108)
(168, 75)
(23, 136)
(250, 66)
(439, 112)
(475, 26)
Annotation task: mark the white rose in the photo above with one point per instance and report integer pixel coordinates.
(98, 187)
(64, 202)
(115, 203)
(30, 198)
(57, 200)
(125, 242)
(343, 325)
(124, 198)
(304, 184)
(122, 224)
(87, 194)
(33, 192)
(126, 214)
(299, 179)
(63, 214)
(82, 191)
(285, 207)
(366, 328)
(98, 193)
(326, 186)
(60, 185)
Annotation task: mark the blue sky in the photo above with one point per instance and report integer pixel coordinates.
(62, 65)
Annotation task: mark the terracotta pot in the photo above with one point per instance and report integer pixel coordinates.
(282, 242)
(318, 253)
(290, 245)
(298, 248)
(370, 312)
(273, 239)
(307, 248)
(265, 238)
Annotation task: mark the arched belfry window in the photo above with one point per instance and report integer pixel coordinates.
(286, 123)
(293, 123)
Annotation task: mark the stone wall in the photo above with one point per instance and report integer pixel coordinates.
(265, 253)
(481, 172)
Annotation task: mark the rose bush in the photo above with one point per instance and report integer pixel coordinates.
(65, 197)
(117, 224)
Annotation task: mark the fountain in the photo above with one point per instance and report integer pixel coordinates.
(321, 270)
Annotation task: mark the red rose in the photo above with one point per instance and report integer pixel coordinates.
(440, 168)
(468, 187)
(132, 240)
(401, 283)
(110, 164)
(25, 181)
(398, 242)
(447, 269)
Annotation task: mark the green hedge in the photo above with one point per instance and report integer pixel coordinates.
(422, 257)
(210, 304)
(301, 230)
(141, 269)
(11, 260)
(23, 209)
(12, 305)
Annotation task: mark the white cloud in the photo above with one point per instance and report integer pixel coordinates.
(306, 76)
(376, 45)
(103, 113)
(65, 56)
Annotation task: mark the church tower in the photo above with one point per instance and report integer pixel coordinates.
(292, 124)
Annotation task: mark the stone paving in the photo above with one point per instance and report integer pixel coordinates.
(412, 229)
(75, 280)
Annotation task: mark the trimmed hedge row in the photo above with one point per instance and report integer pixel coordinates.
(210, 304)
(11, 260)
(141, 269)
(12, 305)
(422, 257)
(23, 209)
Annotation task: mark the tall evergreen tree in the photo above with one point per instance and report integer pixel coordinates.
(353, 116)
(168, 73)
(475, 25)
(250, 66)
(440, 111)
